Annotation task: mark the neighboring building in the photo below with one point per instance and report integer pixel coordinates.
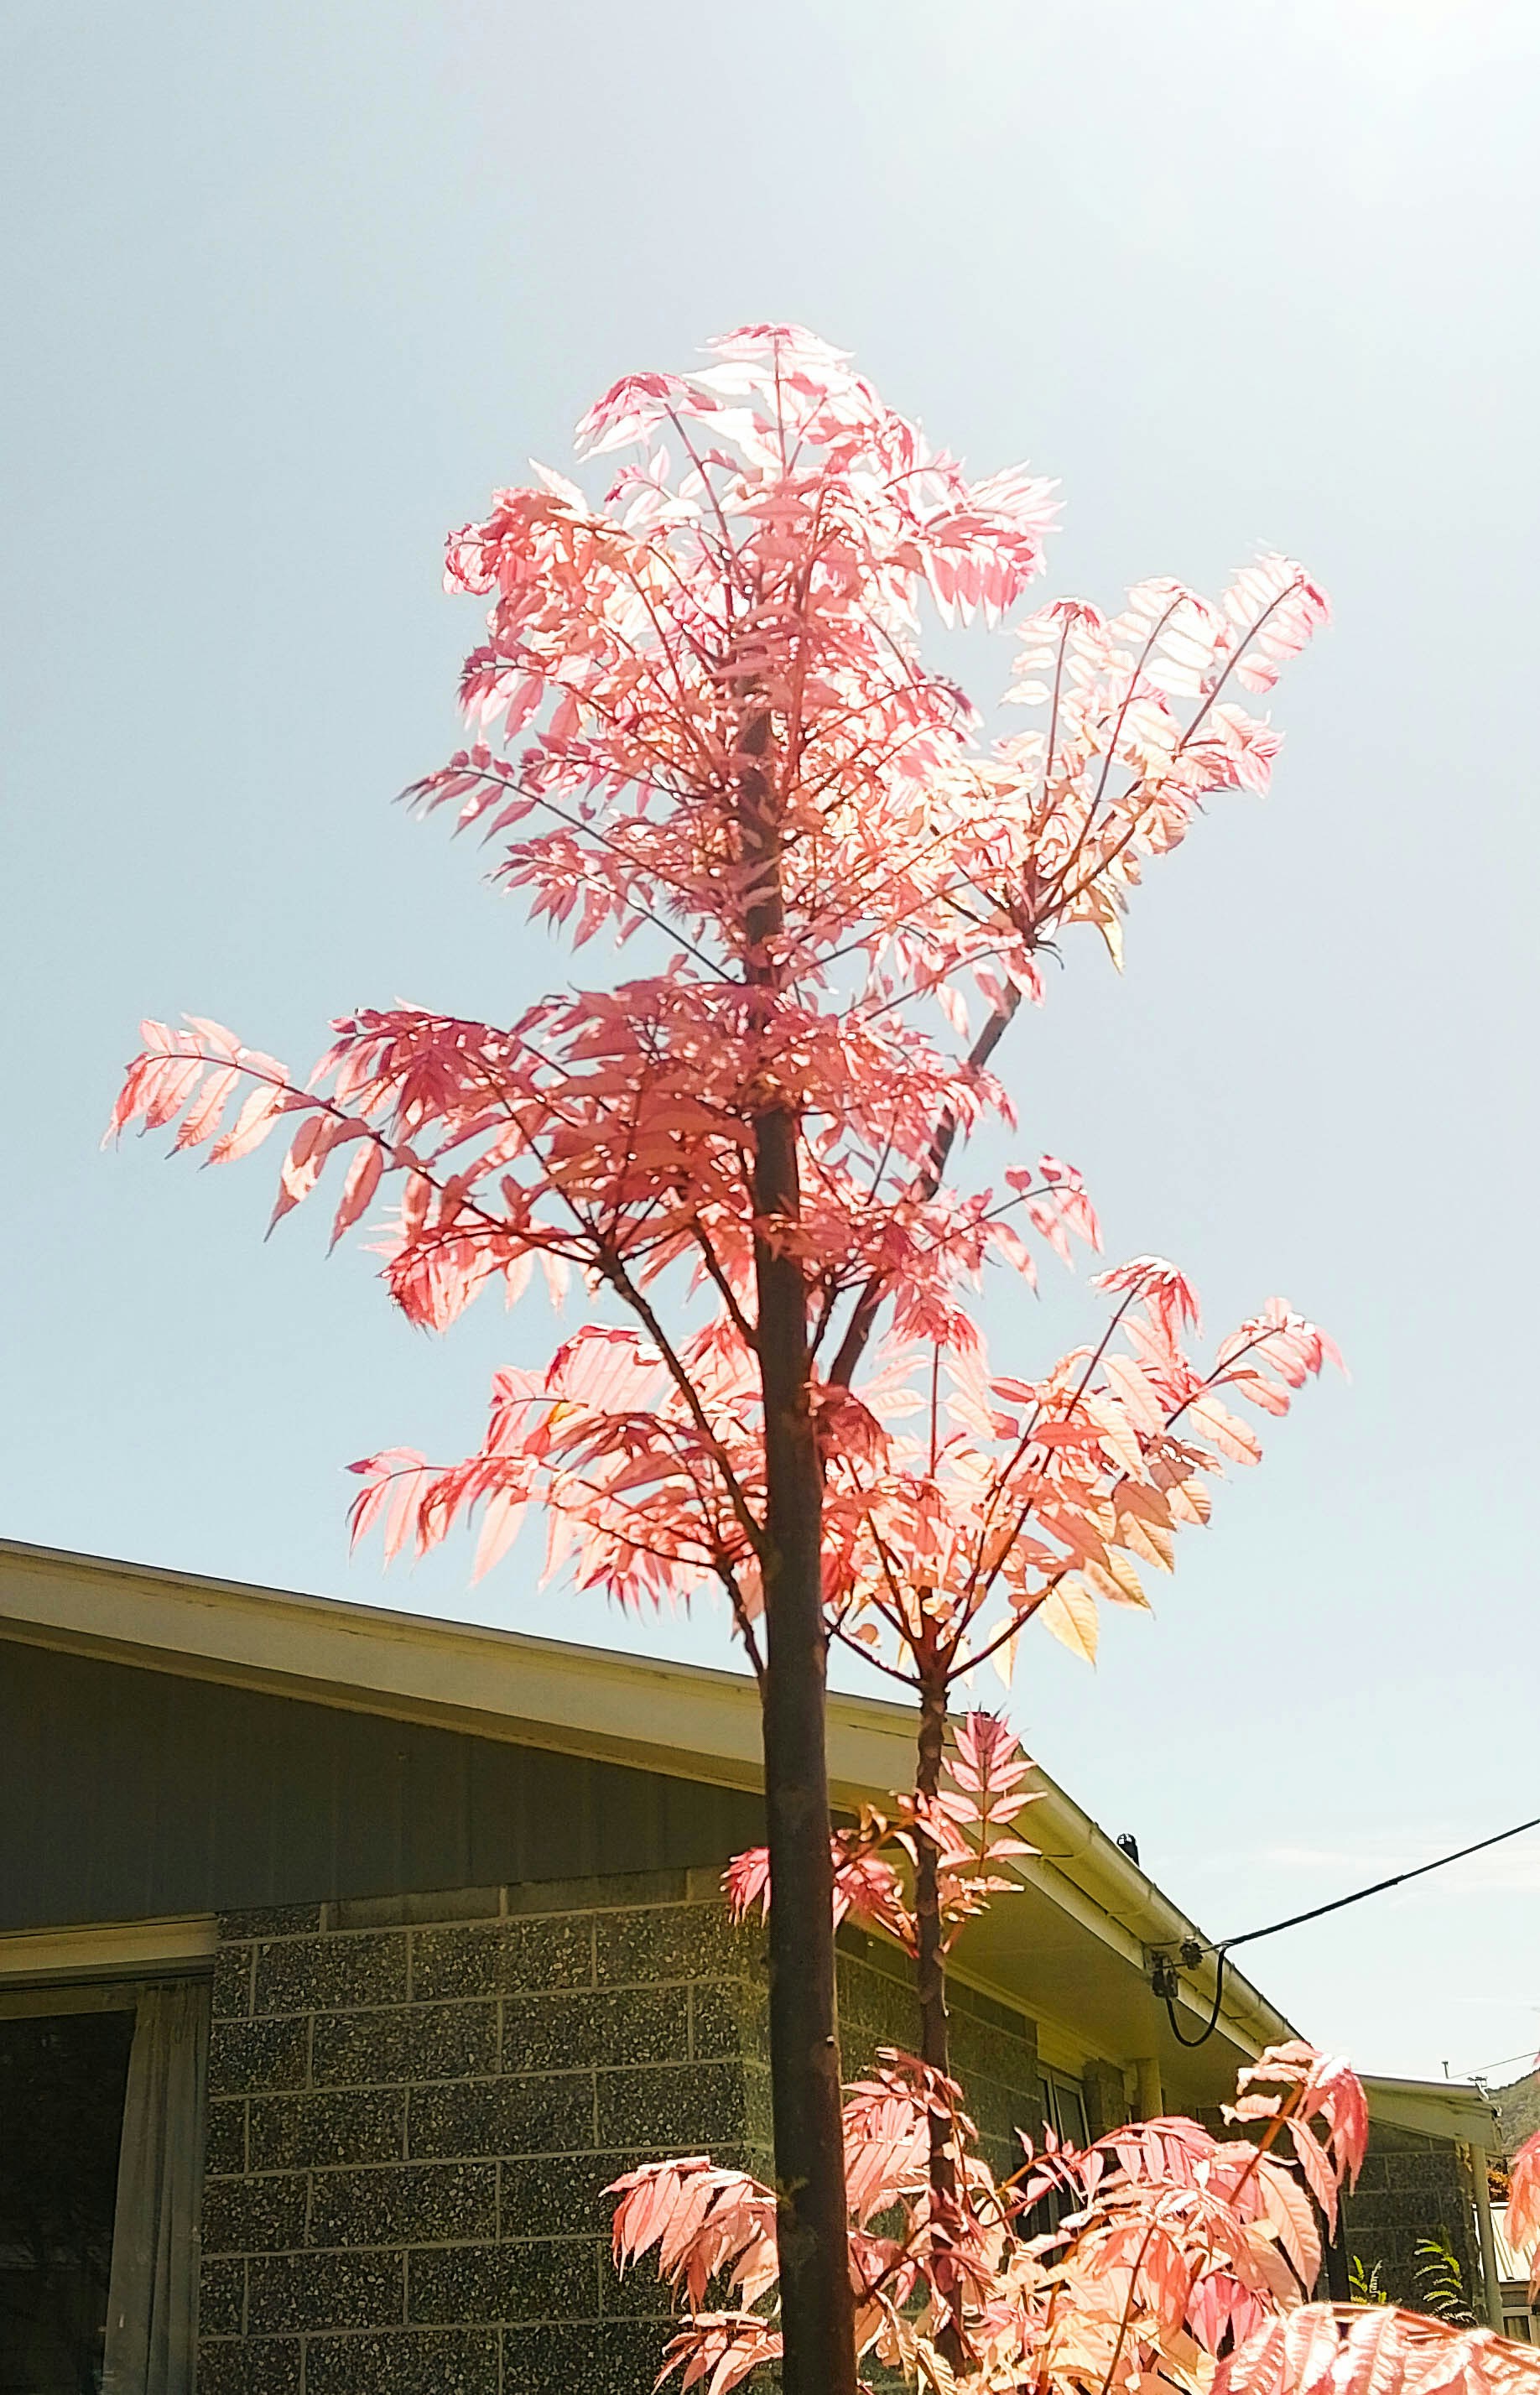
(383, 1944)
(1518, 2109)
(1521, 2311)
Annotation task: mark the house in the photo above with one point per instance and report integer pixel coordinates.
(378, 1945)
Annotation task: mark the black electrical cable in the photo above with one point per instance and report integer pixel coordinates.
(1164, 1978)
(1316, 1912)
(1483, 2068)
(1168, 1991)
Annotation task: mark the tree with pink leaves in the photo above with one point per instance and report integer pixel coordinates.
(700, 725)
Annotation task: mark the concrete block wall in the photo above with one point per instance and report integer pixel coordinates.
(414, 2105)
(994, 2048)
(1409, 2188)
(1106, 2090)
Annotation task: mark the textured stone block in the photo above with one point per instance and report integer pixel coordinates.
(726, 2019)
(607, 2357)
(874, 2010)
(676, 1941)
(330, 1974)
(418, 2042)
(990, 2052)
(265, 2365)
(757, 2134)
(400, 1912)
(367, 2124)
(595, 1895)
(973, 2002)
(225, 2146)
(271, 1921)
(546, 2197)
(416, 2204)
(414, 2126)
(502, 2116)
(222, 2298)
(254, 2215)
(231, 1996)
(698, 2106)
(503, 1958)
(546, 2280)
(569, 2032)
(245, 2056)
(429, 2362)
(319, 2291)
(871, 1953)
(1106, 2097)
(998, 2117)
(639, 2295)
(1429, 2175)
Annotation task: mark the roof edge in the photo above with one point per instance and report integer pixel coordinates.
(1435, 2107)
(682, 1720)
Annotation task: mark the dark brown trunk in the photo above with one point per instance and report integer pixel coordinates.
(935, 2036)
(817, 2313)
(930, 1987)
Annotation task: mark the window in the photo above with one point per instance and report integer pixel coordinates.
(1062, 2108)
(62, 2079)
(102, 2131)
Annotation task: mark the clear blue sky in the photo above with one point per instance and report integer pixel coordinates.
(287, 288)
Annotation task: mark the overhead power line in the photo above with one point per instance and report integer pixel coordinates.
(1502, 2061)
(1164, 1976)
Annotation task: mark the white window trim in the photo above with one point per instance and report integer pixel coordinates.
(108, 1950)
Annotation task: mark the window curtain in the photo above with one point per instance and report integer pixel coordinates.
(152, 2292)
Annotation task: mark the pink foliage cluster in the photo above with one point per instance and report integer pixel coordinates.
(1172, 2247)
(1523, 2204)
(1179, 2261)
(1350, 2349)
(969, 1821)
(719, 652)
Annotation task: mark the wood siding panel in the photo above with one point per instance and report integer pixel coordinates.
(126, 1793)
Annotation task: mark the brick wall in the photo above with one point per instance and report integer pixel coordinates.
(415, 2103)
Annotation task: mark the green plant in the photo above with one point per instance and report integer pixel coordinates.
(1439, 2281)
(1366, 2286)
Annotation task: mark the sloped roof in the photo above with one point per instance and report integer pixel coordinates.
(1072, 1949)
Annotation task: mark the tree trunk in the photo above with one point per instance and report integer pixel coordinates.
(816, 2312)
(930, 1976)
(930, 1987)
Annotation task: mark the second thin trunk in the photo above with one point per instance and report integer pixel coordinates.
(930, 1987)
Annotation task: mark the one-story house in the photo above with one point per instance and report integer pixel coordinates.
(346, 1955)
